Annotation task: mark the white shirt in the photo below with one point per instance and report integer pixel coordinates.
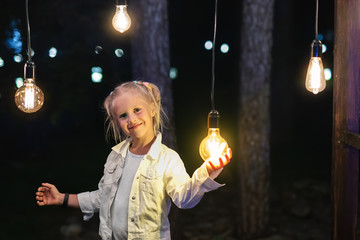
(120, 206)
(160, 178)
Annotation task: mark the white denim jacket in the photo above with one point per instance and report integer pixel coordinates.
(160, 178)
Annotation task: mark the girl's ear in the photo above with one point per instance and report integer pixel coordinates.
(153, 109)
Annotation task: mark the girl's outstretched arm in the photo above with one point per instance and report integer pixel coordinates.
(48, 194)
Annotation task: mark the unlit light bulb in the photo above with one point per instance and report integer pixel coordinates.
(29, 98)
(315, 78)
(121, 20)
(213, 146)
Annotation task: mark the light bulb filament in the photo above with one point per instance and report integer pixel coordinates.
(213, 146)
(216, 147)
(29, 96)
(315, 78)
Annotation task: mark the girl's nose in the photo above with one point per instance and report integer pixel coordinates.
(131, 118)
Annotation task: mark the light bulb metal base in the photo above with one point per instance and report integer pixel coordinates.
(316, 48)
(29, 70)
(213, 119)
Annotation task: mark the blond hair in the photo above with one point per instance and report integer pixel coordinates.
(151, 94)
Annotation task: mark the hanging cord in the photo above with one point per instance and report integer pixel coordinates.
(316, 20)
(117, 2)
(213, 60)
(28, 31)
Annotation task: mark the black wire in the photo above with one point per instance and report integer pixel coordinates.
(28, 31)
(316, 19)
(213, 60)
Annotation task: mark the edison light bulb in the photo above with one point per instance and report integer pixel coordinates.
(121, 20)
(213, 146)
(315, 77)
(29, 98)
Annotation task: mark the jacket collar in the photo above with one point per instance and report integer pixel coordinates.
(153, 153)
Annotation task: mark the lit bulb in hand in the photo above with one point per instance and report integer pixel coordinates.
(121, 20)
(213, 146)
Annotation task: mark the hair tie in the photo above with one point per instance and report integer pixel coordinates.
(147, 85)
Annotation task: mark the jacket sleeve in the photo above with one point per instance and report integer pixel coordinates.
(89, 203)
(184, 191)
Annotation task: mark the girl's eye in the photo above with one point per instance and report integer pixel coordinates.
(137, 110)
(123, 115)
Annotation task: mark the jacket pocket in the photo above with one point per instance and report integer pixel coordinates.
(151, 182)
(112, 173)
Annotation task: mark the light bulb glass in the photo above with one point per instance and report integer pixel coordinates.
(315, 77)
(213, 146)
(121, 20)
(29, 98)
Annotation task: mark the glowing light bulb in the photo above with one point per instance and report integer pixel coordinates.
(29, 98)
(315, 78)
(213, 146)
(121, 20)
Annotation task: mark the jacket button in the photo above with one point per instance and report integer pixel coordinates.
(133, 197)
(132, 219)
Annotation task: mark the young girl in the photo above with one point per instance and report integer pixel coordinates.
(141, 175)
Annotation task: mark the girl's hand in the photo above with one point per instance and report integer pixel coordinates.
(48, 194)
(213, 165)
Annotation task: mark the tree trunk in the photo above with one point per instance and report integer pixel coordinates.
(151, 53)
(346, 106)
(151, 62)
(254, 116)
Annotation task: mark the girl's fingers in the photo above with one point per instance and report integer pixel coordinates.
(212, 165)
(48, 185)
(229, 153)
(41, 189)
(227, 158)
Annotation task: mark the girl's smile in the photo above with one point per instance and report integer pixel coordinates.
(134, 126)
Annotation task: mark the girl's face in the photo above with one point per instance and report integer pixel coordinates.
(135, 115)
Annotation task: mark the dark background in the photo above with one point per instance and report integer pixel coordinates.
(64, 142)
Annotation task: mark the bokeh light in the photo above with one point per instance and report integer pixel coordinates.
(173, 73)
(320, 37)
(14, 37)
(324, 48)
(18, 58)
(224, 48)
(1, 62)
(208, 45)
(119, 52)
(52, 52)
(328, 73)
(19, 82)
(96, 75)
(98, 49)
